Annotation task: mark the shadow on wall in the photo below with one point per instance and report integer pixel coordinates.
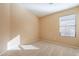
(15, 44)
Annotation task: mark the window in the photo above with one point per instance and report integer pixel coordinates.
(67, 25)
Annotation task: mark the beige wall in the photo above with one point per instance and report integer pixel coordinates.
(49, 26)
(4, 25)
(16, 20)
(24, 23)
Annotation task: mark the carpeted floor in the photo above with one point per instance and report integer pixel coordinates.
(43, 48)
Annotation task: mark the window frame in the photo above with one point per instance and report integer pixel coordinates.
(74, 26)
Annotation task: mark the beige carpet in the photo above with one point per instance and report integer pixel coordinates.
(44, 49)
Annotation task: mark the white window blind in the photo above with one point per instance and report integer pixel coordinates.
(67, 25)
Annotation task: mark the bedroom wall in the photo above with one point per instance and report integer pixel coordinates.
(4, 25)
(49, 28)
(24, 23)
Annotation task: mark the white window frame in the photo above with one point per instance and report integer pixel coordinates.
(67, 25)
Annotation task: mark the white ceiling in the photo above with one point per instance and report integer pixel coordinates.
(43, 9)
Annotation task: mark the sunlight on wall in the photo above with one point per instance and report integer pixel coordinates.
(14, 43)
